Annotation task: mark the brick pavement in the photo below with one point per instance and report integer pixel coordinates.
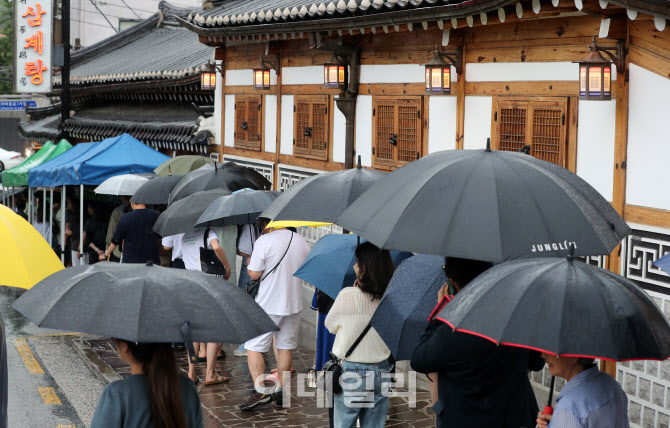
(219, 402)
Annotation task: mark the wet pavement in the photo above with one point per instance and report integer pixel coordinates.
(220, 402)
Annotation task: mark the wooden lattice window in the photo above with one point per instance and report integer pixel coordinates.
(312, 129)
(540, 124)
(248, 113)
(397, 131)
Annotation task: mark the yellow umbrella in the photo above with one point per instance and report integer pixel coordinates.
(296, 223)
(25, 257)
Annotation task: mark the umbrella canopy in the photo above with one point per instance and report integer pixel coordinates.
(156, 191)
(485, 205)
(562, 307)
(664, 263)
(25, 257)
(182, 165)
(144, 303)
(402, 315)
(321, 198)
(180, 216)
(125, 184)
(330, 265)
(242, 207)
(227, 176)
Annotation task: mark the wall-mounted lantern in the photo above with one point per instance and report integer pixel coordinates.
(595, 71)
(335, 74)
(261, 80)
(438, 71)
(208, 80)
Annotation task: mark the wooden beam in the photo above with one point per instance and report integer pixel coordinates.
(573, 119)
(539, 88)
(460, 103)
(650, 61)
(648, 216)
(251, 154)
(248, 90)
(220, 54)
(311, 163)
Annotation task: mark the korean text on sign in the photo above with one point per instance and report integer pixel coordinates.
(33, 24)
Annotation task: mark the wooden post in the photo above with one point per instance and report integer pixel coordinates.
(275, 172)
(620, 151)
(220, 55)
(460, 104)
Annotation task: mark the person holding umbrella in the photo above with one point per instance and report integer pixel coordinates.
(480, 384)
(153, 395)
(349, 320)
(589, 399)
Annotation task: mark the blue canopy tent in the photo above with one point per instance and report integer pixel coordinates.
(93, 163)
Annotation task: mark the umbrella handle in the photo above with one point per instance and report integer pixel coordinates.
(548, 410)
(188, 341)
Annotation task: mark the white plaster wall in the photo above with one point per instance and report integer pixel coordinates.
(310, 75)
(595, 145)
(218, 105)
(339, 134)
(648, 139)
(364, 129)
(270, 123)
(229, 138)
(396, 73)
(477, 126)
(441, 123)
(523, 71)
(286, 144)
(245, 77)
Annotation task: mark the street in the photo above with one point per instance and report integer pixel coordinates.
(49, 384)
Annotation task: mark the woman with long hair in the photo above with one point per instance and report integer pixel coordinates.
(154, 395)
(368, 363)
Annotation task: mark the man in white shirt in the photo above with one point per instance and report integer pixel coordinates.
(277, 255)
(190, 252)
(174, 243)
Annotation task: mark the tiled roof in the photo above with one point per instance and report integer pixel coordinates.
(156, 48)
(230, 18)
(170, 126)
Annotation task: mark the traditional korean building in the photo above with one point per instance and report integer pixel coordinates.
(143, 81)
(514, 80)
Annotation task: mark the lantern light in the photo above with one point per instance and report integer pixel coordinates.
(595, 72)
(261, 79)
(208, 80)
(438, 71)
(335, 74)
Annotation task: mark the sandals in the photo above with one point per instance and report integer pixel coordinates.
(219, 379)
(274, 371)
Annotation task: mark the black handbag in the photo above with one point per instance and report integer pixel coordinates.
(209, 261)
(254, 284)
(332, 370)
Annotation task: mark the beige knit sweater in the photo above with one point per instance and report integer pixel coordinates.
(349, 315)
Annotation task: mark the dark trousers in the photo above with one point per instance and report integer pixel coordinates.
(178, 264)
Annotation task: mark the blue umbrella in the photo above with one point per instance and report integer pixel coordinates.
(663, 263)
(330, 265)
(402, 315)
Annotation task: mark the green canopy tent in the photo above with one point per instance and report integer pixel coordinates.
(18, 176)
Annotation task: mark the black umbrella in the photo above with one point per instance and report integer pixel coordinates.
(323, 197)
(402, 315)
(144, 303)
(181, 215)
(485, 205)
(561, 307)
(156, 191)
(217, 176)
(242, 207)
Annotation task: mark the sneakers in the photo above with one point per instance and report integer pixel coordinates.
(239, 353)
(256, 399)
(278, 398)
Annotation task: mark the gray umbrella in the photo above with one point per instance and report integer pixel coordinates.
(180, 216)
(242, 207)
(144, 303)
(324, 197)
(485, 205)
(156, 191)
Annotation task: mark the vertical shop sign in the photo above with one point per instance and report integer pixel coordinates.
(33, 23)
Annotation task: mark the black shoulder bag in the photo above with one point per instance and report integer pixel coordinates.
(332, 370)
(209, 261)
(254, 284)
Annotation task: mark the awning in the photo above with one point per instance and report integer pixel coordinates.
(18, 176)
(96, 162)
